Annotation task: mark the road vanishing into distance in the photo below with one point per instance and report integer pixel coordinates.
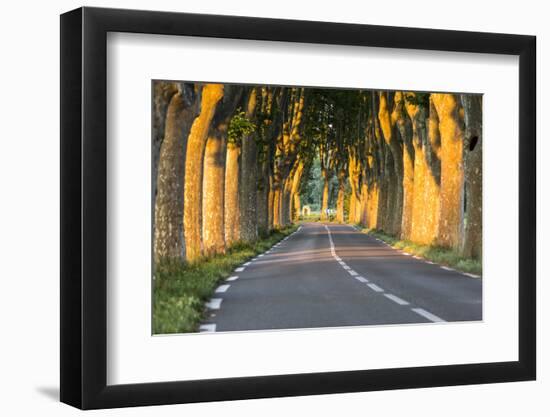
(327, 275)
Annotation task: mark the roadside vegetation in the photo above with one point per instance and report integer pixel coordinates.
(181, 289)
(440, 255)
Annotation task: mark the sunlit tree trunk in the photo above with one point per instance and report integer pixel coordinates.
(472, 243)
(277, 197)
(340, 215)
(213, 230)
(168, 240)
(354, 171)
(196, 143)
(395, 200)
(363, 209)
(295, 190)
(404, 128)
(213, 193)
(380, 216)
(249, 178)
(452, 174)
(231, 198)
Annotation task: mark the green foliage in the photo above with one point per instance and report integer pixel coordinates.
(419, 99)
(180, 289)
(437, 254)
(239, 127)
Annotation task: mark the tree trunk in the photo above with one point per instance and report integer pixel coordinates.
(340, 215)
(249, 179)
(364, 203)
(404, 128)
(162, 95)
(295, 190)
(262, 196)
(231, 198)
(472, 244)
(213, 229)
(387, 125)
(168, 221)
(196, 143)
(452, 175)
(324, 200)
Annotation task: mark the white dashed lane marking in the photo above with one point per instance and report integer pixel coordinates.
(222, 288)
(246, 263)
(239, 269)
(375, 287)
(207, 328)
(232, 278)
(361, 279)
(428, 315)
(352, 272)
(446, 268)
(396, 299)
(214, 303)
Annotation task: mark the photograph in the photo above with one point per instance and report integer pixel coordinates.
(299, 207)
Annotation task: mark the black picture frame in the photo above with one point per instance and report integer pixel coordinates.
(84, 207)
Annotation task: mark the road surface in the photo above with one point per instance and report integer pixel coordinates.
(334, 276)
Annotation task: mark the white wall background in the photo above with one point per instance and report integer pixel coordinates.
(29, 209)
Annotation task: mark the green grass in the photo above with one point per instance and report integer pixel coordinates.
(437, 254)
(180, 289)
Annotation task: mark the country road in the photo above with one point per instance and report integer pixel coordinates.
(333, 276)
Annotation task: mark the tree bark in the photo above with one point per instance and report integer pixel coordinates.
(168, 220)
(452, 174)
(404, 128)
(162, 95)
(196, 143)
(472, 244)
(249, 179)
(324, 199)
(395, 201)
(213, 229)
(340, 215)
(231, 197)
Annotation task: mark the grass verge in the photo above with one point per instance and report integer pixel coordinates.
(180, 290)
(437, 254)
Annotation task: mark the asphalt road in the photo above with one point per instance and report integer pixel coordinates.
(334, 276)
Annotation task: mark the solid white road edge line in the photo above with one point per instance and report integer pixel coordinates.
(446, 268)
(471, 275)
(214, 303)
(207, 328)
(428, 315)
(396, 299)
(223, 288)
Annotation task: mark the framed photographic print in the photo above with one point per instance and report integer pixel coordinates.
(255, 208)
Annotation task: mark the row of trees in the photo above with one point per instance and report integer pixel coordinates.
(229, 163)
(412, 161)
